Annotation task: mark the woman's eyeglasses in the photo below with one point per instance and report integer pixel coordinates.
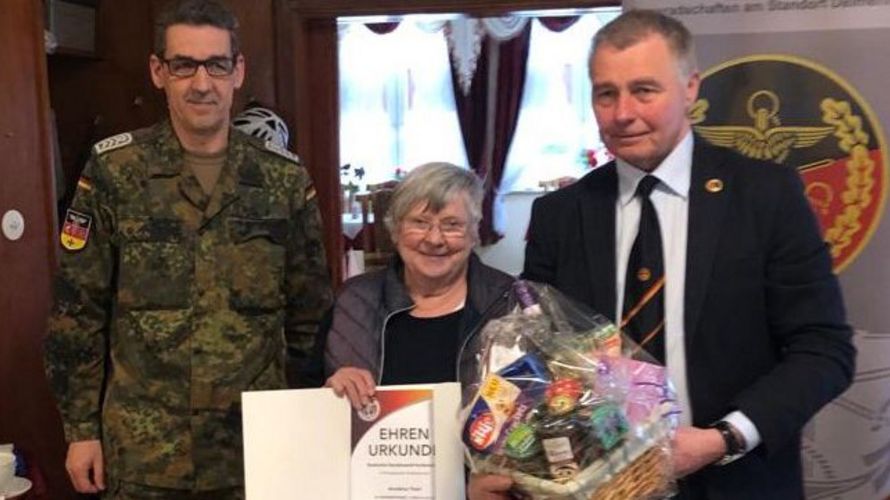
(450, 228)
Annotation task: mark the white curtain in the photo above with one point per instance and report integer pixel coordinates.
(556, 124)
(396, 100)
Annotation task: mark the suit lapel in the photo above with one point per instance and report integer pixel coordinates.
(597, 209)
(709, 193)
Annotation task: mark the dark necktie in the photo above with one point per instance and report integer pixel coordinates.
(643, 313)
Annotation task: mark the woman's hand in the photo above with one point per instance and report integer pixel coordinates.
(356, 383)
(488, 487)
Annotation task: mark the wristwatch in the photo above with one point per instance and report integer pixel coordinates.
(735, 442)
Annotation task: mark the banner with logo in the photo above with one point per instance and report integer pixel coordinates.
(802, 83)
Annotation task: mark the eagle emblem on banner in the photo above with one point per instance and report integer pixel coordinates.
(792, 111)
(765, 138)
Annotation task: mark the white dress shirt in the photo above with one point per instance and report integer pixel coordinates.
(671, 200)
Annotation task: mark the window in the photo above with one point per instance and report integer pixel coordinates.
(556, 126)
(398, 111)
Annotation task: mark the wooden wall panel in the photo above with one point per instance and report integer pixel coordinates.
(97, 97)
(258, 44)
(28, 417)
(309, 47)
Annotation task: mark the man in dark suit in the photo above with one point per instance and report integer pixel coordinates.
(753, 331)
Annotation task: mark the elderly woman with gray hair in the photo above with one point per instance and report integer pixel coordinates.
(408, 322)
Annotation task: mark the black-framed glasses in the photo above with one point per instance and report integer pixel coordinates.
(184, 67)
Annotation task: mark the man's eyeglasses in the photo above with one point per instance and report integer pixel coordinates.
(184, 67)
(450, 228)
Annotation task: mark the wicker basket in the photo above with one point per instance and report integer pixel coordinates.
(649, 476)
(638, 469)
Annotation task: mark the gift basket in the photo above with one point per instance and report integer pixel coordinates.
(558, 399)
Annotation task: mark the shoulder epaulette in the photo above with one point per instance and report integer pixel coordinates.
(113, 142)
(280, 151)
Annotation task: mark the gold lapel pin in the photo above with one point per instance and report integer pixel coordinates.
(714, 185)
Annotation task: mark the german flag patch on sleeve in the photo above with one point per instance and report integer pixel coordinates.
(76, 230)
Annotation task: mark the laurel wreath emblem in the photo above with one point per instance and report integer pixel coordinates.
(860, 173)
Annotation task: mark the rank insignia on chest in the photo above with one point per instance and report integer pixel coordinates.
(76, 230)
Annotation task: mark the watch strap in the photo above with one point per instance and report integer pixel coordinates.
(735, 447)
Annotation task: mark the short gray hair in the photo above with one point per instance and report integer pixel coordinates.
(195, 13)
(633, 26)
(435, 185)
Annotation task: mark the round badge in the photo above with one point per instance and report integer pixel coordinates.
(370, 411)
(791, 111)
(714, 185)
(13, 225)
(643, 274)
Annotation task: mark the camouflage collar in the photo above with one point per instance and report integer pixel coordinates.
(168, 153)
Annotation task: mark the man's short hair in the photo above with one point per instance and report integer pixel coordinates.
(633, 26)
(195, 13)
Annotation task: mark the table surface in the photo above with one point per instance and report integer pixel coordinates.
(352, 224)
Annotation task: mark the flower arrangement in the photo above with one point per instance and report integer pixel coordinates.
(350, 177)
(593, 157)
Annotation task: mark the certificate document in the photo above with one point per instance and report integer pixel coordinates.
(393, 452)
(309, 443)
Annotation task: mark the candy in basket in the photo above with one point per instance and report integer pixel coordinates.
(560, 401)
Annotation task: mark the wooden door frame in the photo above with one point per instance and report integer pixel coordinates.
(307, 82)
(28, 418)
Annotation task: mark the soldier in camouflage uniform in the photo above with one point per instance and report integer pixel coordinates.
(175, 295)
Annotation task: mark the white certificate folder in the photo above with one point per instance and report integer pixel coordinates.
(310, 444)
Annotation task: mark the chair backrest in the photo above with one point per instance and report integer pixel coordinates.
(376, 241)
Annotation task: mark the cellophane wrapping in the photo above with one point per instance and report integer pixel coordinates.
(557, 398)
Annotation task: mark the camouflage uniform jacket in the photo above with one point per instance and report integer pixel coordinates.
(170, 302)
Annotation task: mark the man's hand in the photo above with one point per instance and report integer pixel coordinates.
(488, 487)
(85, 466)
(695, 448)
(356, 383)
